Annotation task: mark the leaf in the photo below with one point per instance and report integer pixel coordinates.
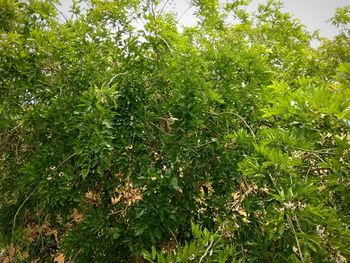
(84, 173)
(236, 195)
(214, 95)
(116, 233)
(107, 123)
(154, 253)
(174, 183)
(242, 212)
(59, 258)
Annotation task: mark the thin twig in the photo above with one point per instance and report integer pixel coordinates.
(165, 43)
(65, 160)
(20, 207)
(161, 11)
(240, 117)
(157, 127)
(250, 129)
(117, 75)
(296, 239)
(12, 130)
(72, 260)
(61, 13)
(151, 6)
(207, 250)
(298, 225)
(183, 14)
(308, 172)
(174, 236)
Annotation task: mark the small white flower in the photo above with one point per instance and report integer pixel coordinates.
(320, 230)
(293, 103)
(301, 205)
(289, 205)
(129, 147)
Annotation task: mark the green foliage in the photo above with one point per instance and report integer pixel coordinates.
(205, 247)
(224, 142)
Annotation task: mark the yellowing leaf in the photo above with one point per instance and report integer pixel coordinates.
(242, 212)
(236, 195)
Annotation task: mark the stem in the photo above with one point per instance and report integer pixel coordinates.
(296, 238)
(183, 14)
(206, 251)
(20, 207)
(65, 160)
(240, 117)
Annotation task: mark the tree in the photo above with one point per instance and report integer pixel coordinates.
(223, 142)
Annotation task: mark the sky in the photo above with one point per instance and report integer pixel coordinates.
(312, 13)
(315, 13)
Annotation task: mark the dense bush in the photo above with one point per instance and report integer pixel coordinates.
(224, 142)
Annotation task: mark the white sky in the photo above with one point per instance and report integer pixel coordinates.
(315, 13)
(312, 13)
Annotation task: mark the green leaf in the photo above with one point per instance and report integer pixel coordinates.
(174, 183)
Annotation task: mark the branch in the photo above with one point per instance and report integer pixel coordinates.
(183, 14)
(161, 11)
(207, 250)
(240, 117)
(117, 75)
(20, 207)
(296, 239)
(60, 12)
(12, 130)
(65, 160)
(166, 43)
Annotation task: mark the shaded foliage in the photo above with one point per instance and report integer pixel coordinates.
(223, 142)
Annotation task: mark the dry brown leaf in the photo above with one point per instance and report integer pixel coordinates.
(91, 197)
(11, 254)
(77, 216)
(253, 186)
(236, 195)
(116, 199)
(12, 251)
(6, 259)
(52, 231)
(265, 190)
(128, 194)
(119, 175)
(59, 258)
(207, 189)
